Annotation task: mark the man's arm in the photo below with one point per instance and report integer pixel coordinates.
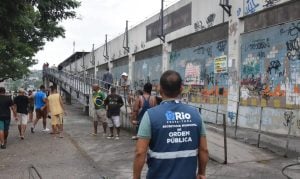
(62, 104)
(120, 101)
(135, 109)
(140, 157)
(202, 157)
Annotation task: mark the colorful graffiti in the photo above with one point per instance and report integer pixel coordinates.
(147, 70)
(196, 66)
(271, 66)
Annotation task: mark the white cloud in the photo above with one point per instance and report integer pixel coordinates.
(98, 17)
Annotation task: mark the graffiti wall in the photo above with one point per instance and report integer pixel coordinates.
(147, 70)
(118, 67)
(270, 67)
(252, 6)
(196, 66)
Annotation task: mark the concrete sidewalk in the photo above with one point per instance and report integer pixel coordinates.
(80, 155)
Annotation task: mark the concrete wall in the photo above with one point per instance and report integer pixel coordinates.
(260, 41)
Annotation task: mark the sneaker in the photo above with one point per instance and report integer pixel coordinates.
(46, 130)
(117, 137)
(32, 130)
(93, 134)
(110, 137)
(3, 146)
(134, 137)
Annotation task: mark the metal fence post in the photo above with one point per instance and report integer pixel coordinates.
(225, 139)
(217, 113)
(260, 123)
(236, 119)
(289, 122)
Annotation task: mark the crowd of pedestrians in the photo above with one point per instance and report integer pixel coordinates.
(171, 136)
(24, 105)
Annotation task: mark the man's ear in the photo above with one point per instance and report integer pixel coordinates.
(181, 88)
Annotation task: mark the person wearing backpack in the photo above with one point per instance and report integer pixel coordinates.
(141, 105)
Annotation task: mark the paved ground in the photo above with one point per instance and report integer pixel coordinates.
(80, 155)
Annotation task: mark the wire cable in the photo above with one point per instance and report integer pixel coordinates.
(284, 168)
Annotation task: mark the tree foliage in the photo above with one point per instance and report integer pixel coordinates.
(25, 26)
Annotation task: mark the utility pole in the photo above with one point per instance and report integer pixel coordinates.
(125, 41)
(95, 64)
(162, 35)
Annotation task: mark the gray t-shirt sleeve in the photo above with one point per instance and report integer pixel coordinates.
(203, 129)
(145, 127)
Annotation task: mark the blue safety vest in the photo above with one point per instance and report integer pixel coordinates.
(175, 137)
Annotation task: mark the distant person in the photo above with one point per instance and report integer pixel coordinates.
(21, 108)
(141, 104)
(56, 108)
(125, 84)
(100, 112)
(108, 79)
(114, 102)
(40, 100)
(173, 135)
(6, 106)
(30, 105)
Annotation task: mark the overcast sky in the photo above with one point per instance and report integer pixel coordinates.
(97, 18)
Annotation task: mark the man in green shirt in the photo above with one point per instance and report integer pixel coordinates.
(100, 112)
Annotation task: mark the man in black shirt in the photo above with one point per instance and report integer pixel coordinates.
(6, 105)
(21, 107)
(113, 102)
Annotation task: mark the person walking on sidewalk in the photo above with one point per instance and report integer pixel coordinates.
(141, 105)
(174, 136)
(40, 100)
(108, 79)
(113, 102)
(21, 108)
(56, 108)
(100, 112)
(6, 106)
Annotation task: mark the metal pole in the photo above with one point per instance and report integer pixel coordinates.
(236, 119)
(162, 18)
(94, 60)
(260, 123)
(217, 113)
(288, 139)
(289, 118)
(237, 113)
(125, 100)
(225, 139)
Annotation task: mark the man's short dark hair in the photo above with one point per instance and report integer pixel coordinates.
(2, 90)
(148, 88)
(170, 83)
(113, 89)
(53, 88)
(42, 87)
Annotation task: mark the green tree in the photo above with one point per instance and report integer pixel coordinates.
(25, 26)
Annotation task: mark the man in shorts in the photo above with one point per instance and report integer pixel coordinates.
(6, 106)
(100, 112)
(21, 107)
(40, 100)
(56, 108)
(113, 102)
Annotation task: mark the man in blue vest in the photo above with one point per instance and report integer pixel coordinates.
(172, 135)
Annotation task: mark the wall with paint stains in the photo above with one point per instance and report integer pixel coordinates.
(196, 66)
(147, 70)
(270, 69)
(253, 6)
